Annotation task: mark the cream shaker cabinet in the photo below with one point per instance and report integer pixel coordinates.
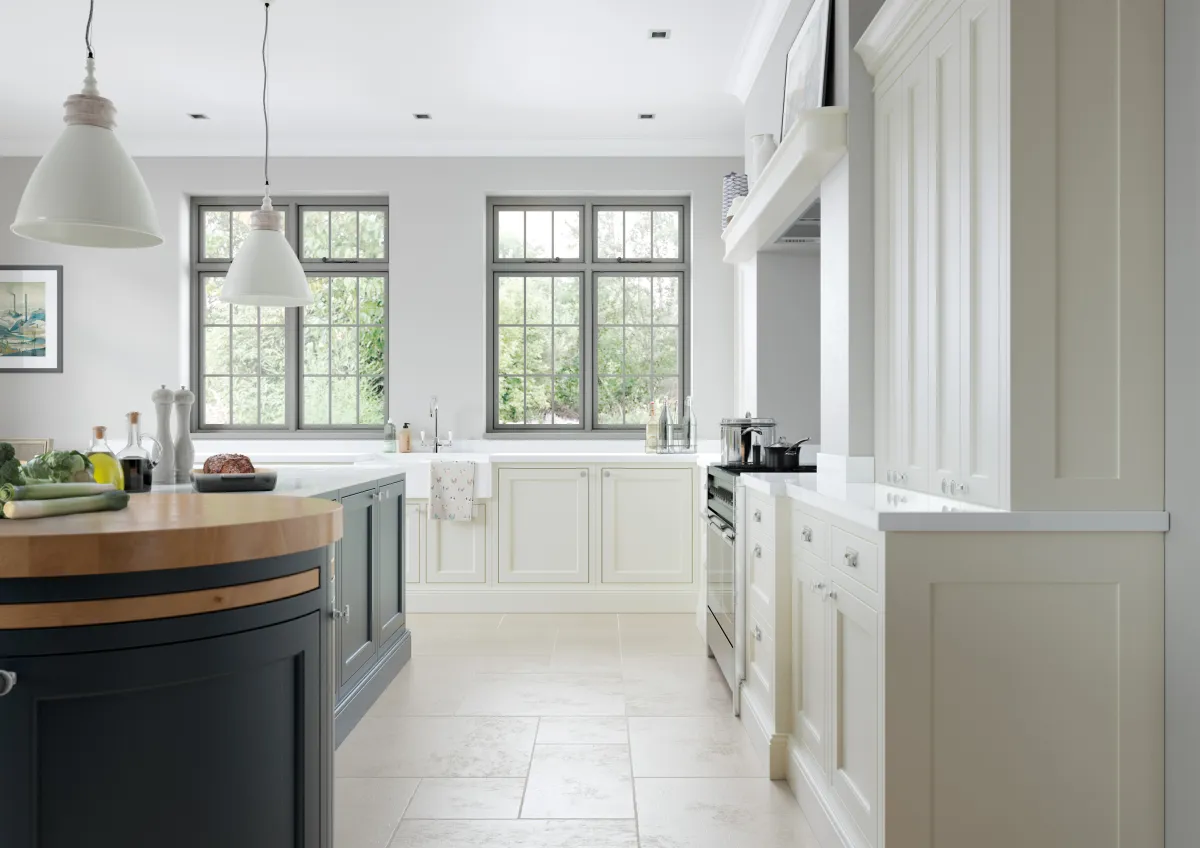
(646, 526)
(414, 541)
(543, 525)
(456, 551)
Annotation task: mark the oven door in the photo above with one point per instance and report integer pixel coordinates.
(720, 589)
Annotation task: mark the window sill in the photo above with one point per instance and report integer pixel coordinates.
(595, 435)
(234, 435)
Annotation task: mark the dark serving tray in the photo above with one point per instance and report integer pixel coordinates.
(259, 481)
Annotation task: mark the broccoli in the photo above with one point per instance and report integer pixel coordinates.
(10, 473)
(59, 467)
(7, 452)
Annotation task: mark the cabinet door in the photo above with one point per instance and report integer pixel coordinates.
(854, 690)
(903, 124)
(457, 550)
(810, 665)
(983, 262)
(946, 272)
(117, 748)
(543, 532)
(414, 541)
(646, 526)
(392, 547)
(355, 586)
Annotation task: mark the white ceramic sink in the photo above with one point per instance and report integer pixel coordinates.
(417, 466)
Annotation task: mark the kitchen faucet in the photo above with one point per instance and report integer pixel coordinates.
(438, 442)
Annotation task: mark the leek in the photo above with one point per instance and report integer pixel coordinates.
(110, 500)
(51, 491)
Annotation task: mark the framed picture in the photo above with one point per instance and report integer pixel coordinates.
(808, 66)
(30, 318)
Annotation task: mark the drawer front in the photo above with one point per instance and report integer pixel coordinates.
(760, 662)
(810, 535)
(760, 577)
(760, 513)
(856, 558)
(757, 538)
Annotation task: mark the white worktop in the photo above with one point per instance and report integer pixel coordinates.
(306, 481)
(890, 509)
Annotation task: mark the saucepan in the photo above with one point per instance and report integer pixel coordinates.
(782, 456)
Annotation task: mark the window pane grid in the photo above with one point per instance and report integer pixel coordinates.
(342, 352)
(653, 376)
(556, 394)
(537, 234)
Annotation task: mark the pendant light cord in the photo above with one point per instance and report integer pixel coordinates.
(87, 33)
(266, 119)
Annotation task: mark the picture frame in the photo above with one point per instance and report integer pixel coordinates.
(31, 325)
(809, 66)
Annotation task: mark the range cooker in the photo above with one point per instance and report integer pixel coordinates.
(726, 575)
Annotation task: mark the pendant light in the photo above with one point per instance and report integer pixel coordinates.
(266, 270)
(86, 190)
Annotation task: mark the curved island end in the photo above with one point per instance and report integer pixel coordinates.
(166, 674)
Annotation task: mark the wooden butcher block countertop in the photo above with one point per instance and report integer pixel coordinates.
(167, 531)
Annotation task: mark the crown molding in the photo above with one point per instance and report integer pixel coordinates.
(894, 28)
(756, 43)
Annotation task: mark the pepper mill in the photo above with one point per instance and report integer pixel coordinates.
(163, 397)
(185, 451)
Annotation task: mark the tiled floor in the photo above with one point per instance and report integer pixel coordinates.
(558, 731)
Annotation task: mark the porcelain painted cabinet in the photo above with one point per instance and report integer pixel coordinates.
(646, 526)
(543, 525)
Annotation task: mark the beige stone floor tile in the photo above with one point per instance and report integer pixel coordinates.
(427, 685)
(675, 686)
(466, 798)
(525, 833)
(707, 746)
(648, 635)
(544, 694)
(720, 813)
(587, 730)
(437, 746)
(579, 782)
(366, 810)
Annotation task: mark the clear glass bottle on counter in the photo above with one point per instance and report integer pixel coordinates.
(389, 437)
(652, 431)
(666, 427)
(106, 468)
(689, 422)
(137, 463)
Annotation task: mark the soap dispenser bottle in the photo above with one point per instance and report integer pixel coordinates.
(405, 439)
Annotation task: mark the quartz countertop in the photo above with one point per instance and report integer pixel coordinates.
(306, 481)
(888, 508)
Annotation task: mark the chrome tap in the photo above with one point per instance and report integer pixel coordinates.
(438, 441)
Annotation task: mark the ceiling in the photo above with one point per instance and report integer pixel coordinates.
(499, 77)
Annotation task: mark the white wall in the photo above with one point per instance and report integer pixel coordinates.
(789, 342)
(125, 312)
(1183, 423)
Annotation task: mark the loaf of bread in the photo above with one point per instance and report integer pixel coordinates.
(228, 463)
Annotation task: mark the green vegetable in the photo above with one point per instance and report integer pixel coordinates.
(10, 473)
(51, 491)
(113, 500)
(7, 452)
(59, 467)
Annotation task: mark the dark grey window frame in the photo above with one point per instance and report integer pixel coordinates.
(588, 268)
(200, 268)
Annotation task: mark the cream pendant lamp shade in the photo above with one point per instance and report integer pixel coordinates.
(266, 270)
(86, 190)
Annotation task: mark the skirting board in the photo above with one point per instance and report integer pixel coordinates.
(772, 747)
(527, 600)
(826, 822)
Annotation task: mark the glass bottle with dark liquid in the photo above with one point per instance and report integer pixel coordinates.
(137, 463)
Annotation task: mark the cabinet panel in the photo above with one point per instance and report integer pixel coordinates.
(414, 541)
(354, 585)
(115, 748)
(457, 550)
(646, 530)
(855, 708)
(760, 662)
(982, 242)
(946, 267)
(810, 535)
(543, 526)
(392, 529)
(810, 665)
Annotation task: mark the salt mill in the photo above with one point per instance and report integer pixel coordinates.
(185, 451)
(163, 397)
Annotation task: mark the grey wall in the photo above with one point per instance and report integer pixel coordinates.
(789, 342)
(764, 104)
(1183, 422)
(125, 312)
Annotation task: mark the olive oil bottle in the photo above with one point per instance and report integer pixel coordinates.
(106, 468)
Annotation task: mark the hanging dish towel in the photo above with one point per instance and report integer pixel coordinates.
(452, 491)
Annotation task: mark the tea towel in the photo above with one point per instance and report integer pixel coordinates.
(452, 491)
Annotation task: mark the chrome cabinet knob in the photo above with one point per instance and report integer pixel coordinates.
(8, 682)
(851, 557)
(806, 533)
(758, 551)
(757, 634)
(832, 595)
(945, 486)
(343, 613)
(607, 473)
(758, 515)
(583, 473)
(818, 587)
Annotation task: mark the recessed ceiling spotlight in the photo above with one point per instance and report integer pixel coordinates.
(660, 34)
(198, 116)
(645, 116)
(422, 116)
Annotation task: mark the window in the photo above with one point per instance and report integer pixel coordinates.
(319, 367)
(588, 306)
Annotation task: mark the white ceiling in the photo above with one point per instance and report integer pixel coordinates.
(500, 77)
